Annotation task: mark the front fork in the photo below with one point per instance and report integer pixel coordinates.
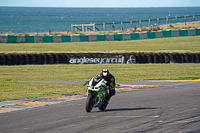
(89, 92)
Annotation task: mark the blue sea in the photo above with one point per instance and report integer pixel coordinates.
(41, 19)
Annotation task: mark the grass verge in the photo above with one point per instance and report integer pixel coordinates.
(122, 72)
(17, 91)
(173, 44)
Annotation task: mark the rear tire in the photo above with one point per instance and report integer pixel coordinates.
(103, 107)
(89, 103)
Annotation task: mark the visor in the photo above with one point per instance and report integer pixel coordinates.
(105, 74)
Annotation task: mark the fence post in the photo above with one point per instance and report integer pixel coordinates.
(167, 21)
(76, 28)
(149, 23)
(83, 27)
(157, 21)
(185, 20)
(121, 26)
(113, 26)
(94, 27)
(193, 18)
(140, 23)
(175, 20)
(104, 26)
(131, 23)
(71, 27)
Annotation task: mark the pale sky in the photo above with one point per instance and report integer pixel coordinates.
(100, 3)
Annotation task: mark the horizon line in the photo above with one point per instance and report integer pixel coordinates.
(101, 7)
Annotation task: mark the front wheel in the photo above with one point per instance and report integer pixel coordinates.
(89, 103)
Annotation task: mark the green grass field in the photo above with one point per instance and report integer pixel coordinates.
(122, 72)
(173, 44)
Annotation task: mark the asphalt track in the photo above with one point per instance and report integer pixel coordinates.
(171, 107)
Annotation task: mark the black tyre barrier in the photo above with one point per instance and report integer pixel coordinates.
(9, 60)
(64, 58)
(138, 58)
(197, 58)
(26, 59)
(182, 58)
(2, 59)
(21, 59)
(32, 59)
(155, 58)
(150, 58)
(192, 58)
(43, 58)
(187, 58)
(50, 59)
(165, 58)
(172, 58)
(161, 58)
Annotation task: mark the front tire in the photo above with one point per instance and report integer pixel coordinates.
(89, 103)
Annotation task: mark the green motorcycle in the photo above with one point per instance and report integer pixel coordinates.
(96, 93)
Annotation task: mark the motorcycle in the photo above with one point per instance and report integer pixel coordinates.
(96, 94)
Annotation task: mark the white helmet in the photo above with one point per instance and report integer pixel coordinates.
(105, 72)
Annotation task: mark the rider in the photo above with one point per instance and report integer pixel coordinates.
(110, 83)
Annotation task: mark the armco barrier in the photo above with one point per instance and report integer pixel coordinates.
(101, 37)
(12, 38)
(167, 33)
(175, 33)
(3, 39)
(98, 37)
(118, 37)
(57, 39)
(135, 36)
(92, 38)
(109, 37)
(75, 38)
(183, 32)
(191, 32)
(151, 34)
(47, 38)
(21, 39)
(126, 36)
(158, 34)
(84, 38)
(197, 31)
(97, 58)
(29, 39)
(38, 39)
(66, 38)
(143, 35)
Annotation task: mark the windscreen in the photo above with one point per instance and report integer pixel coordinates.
(96, 80)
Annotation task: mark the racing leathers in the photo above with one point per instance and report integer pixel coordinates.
(110, 83)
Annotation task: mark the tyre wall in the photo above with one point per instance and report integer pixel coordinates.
(97, 58)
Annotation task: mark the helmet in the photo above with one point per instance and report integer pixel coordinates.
(105, 72)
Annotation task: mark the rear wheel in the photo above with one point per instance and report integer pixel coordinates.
(89, 103)
(103, 107)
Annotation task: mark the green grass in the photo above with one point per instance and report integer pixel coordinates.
(122, 72)
(173, 44)
(17, 91)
